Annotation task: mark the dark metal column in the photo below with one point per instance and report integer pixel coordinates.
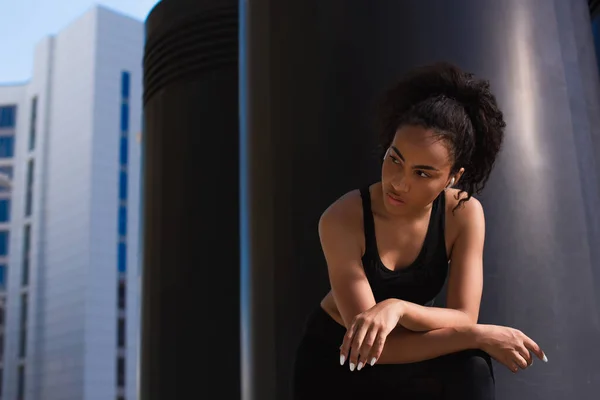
(190, 312)
(330, 59)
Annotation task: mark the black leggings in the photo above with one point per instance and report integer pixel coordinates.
(467, 375)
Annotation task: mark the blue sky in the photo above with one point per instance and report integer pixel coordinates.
(23, 23)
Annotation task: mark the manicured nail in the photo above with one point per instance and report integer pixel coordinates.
(360, 365)
(352, 366)
(545, 359)
(342, 359)
(373, 361)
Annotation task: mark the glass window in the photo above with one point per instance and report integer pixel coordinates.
(23, 326)
(4, 210)
(124, 117)
(21, 383)
(32, 123)
(29, 188)
(7, 146)
(123, 153)
(4, 239)
(26, 255)
(2, 280)
(121, 371)
(122, 257)
(121, 295)
(26, 239)
(8, 172)
(125, 82)
(122, 221)
(8, 116)
(121, 332)
(122, 185)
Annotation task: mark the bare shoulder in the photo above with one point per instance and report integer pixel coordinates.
(345, 212)
(468, 213)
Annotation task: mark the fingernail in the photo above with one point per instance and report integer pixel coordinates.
(545, 359)
(360, 365)
(342, 359)
(373, 361)
(352, 366)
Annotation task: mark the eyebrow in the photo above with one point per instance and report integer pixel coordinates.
(425, 167)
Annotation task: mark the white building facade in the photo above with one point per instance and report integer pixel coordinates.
(69, 222)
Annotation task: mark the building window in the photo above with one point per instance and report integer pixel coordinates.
(122, 295)
(122, 257)
(124, 117)
(125, 83)
(21, 383)
(8, 116)
(26, 254)
(123, 156)
(122, 221)
(121, 371)
(7, 146)
(121, 332)
(2, 279)
(4, 210)
(7, 171)
(33, 123)
(29, 189)
(23, 326)
(123, 185)
(4, 239)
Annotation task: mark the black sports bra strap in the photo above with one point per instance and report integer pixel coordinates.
(368, 222)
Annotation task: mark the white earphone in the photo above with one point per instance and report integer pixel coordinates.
(451, 183)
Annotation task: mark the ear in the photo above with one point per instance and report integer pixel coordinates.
(455, 178)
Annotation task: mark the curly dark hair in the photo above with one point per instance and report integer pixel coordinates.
(458, 107)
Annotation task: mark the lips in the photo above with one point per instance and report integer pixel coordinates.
(396, 198)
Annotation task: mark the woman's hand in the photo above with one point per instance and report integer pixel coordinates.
(508, 346)
(366, 336)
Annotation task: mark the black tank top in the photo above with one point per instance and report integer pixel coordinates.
(421, 281)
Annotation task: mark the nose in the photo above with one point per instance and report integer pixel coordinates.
(400, 184)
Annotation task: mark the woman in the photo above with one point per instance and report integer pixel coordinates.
(391, 246)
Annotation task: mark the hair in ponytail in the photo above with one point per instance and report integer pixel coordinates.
(458, 107)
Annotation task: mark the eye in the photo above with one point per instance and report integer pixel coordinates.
(422, 174)
(395, 160)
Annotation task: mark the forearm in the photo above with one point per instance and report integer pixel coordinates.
(420, 318)
(403, 347)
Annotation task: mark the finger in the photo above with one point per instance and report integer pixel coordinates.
(535, 349)
(514, 368)
(348, 337)
(367, 344)
(519, 360)
(377, 348)
(359, 336)
(524, 352)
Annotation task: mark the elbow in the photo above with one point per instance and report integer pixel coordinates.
(468, 318)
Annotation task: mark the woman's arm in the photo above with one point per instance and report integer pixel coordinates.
(508, 346)
(402, 346)
(340, 233)
(465, 281)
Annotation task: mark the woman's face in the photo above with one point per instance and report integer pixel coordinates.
(415, 170)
